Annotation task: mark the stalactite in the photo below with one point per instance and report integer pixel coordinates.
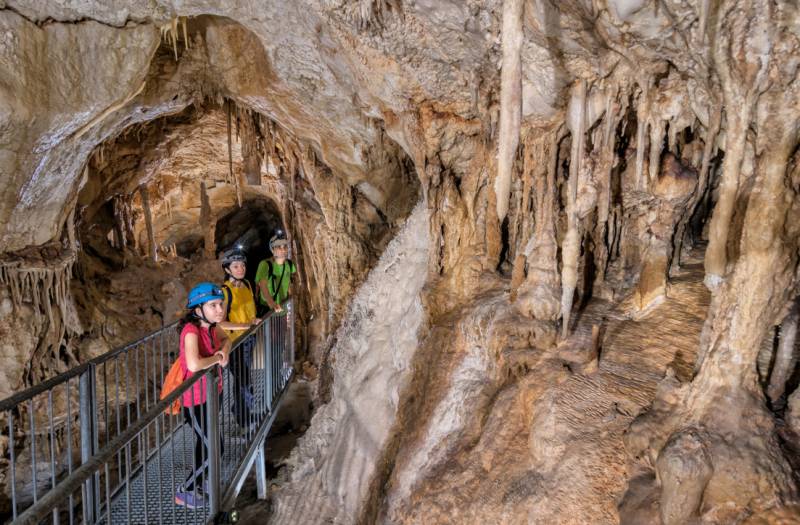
(605, 165)
(252, 147)
(642, 121)
(570, 247)
(148, 218)
(784, 356)
(510, 102)
(656, 146)
(71, 237)
(170, 32)
(704, 7)
(43, 283)
(119, 222)
(206, 221)
(768, 242)
(232, 178)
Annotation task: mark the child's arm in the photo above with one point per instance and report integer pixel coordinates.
(262, 285)
(191, 351)
(225, 344)
(227, 325)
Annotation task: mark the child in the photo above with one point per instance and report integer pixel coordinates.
(274, 275)
(241, 315)
(202, 345)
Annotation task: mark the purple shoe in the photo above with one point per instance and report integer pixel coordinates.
(189, 499)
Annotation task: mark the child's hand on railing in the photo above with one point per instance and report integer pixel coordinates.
(223, 362)
(255, 322)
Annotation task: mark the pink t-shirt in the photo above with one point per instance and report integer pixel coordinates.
(197, 394)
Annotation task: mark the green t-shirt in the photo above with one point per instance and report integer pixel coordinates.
(278, 282)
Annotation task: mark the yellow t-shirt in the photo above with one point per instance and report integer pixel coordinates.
(243, 307)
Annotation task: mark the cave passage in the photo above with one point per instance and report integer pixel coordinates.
(250, 228)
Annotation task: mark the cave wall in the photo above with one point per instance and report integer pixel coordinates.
(614, 139)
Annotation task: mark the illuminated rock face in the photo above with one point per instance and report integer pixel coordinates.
(596, 286)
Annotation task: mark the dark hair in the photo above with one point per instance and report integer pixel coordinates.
(188, 318)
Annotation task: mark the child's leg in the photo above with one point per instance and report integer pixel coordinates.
(195, 417)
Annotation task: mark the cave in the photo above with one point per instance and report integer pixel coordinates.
(547, 251)
(250, 228)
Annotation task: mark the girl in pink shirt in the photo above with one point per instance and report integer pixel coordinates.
(202, 345)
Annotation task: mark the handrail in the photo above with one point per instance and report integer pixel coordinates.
(134, 430)
(13, 400)
(40, 510)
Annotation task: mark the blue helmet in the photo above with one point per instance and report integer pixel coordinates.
(202, 293)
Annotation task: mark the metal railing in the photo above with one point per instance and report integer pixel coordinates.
(118, 457)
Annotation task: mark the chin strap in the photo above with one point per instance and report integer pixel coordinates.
(204, 318)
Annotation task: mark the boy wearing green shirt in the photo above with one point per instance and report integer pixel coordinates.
(274, 275)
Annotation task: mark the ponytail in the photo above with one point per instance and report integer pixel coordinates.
(188, 318)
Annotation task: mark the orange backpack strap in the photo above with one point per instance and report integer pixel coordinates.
(173, 380)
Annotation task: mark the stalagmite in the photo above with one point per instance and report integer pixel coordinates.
(784, 356)
(539, 294)
(642, 121)
(684, 467)
(570, 247)
(510, 102)
(148, 217)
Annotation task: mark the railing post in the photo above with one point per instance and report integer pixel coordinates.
(212, 422)
(290, 320)
(87, 392)
(261, 470)
(268, 365)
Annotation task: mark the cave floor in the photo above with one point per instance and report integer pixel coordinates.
(594, 410)
(551, 448)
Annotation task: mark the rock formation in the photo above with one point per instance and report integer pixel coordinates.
(548, 250)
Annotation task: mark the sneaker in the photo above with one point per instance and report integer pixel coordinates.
(190, 500)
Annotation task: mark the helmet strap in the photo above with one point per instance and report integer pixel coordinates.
(203, 316)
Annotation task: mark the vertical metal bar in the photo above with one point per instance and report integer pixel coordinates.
(13, 465)
(145, 370)
(127, 448)
(33, 452)
(108, 495)
(268, 361)
(292, 342)
(138, 403)
(128, 399)
(160, 469)
(69, 447)
(173, 444)
(261, 470)
(117, 410)
(212, 431)
(96, 434)
(52, 443)
(144, 474)
(88, 434)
